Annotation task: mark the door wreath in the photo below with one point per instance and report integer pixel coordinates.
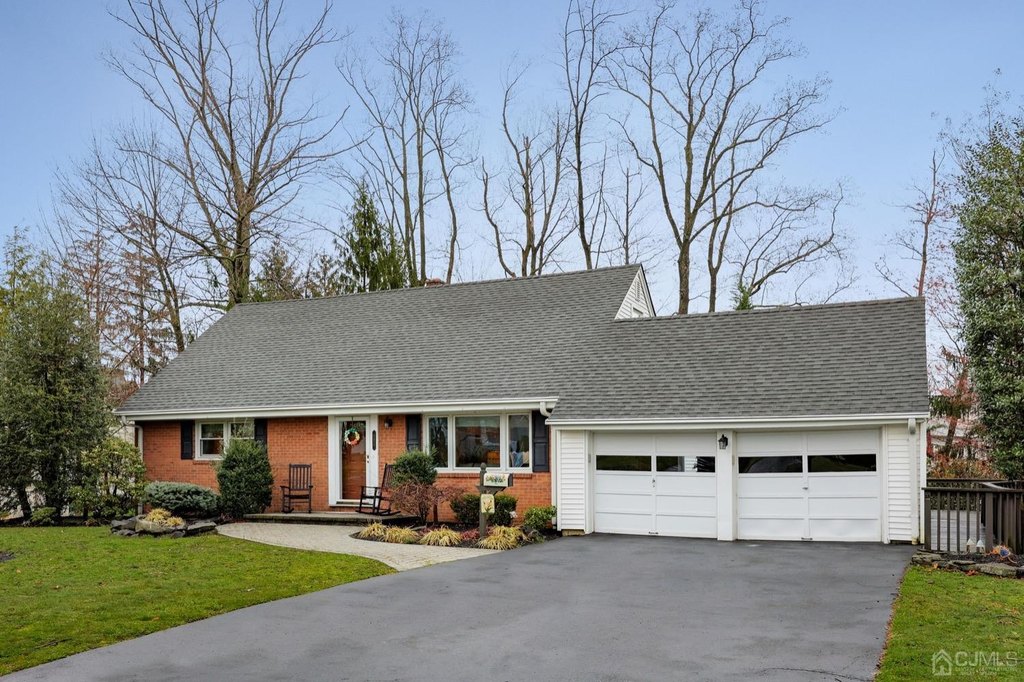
(352, 436)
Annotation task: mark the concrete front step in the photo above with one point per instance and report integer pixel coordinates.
(340, 518)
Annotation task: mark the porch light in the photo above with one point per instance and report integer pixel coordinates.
(723, 442)
(388, 423)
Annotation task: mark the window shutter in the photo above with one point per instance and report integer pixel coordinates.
(414, 432)
(259, 431)
(187, 440)
(541, 463)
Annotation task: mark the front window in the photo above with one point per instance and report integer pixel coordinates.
(215, 436)
(465, 441)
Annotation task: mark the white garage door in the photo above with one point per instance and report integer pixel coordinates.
(655, 484)
(815, 485)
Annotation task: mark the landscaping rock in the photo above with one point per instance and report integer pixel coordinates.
(925, 559)
(200, 527)
(962, 564)
(123, 524)
(125, 533)
(1001, 570)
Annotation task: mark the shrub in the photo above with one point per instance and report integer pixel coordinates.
(162, 517)
(44, 516)
(112, 480)
(413, 466)
(470, 535)
(183, 499)
(467, 509)
(539, 518)
(420, 498)
(400, 535)
(502, 537)
(442, 537)
(245, 478)
(374, 531)
(948, 466)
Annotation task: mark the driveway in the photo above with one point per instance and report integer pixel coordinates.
(596, 607)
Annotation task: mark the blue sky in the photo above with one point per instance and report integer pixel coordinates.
(898, 71)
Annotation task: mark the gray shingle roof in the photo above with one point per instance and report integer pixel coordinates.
(552, 336)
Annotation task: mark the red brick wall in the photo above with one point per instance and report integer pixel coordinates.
(530, 489)
(303, 440)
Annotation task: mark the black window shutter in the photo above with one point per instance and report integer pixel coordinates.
(541, 462)
(414, 432)
(259, 431)
(187, 441)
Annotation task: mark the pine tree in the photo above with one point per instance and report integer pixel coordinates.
(371, 256)
(278, 279)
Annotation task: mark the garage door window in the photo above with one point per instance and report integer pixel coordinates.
(821, 464)
(787, 464)
(624, 463)
(686, 464)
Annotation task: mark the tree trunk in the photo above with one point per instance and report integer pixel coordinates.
(683, 268)
(23, 502)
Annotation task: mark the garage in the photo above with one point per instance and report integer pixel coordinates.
(655, 483)
(813, 485)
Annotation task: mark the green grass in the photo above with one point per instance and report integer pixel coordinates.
(951, 611)
(72, 589)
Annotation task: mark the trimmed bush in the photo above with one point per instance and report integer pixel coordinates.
(539, 518)
(44, 516)
(245, 478)
(400, 535)
(188, 500)
(502, 537)
(467, 509)
(414, 466)
(442, 537)
(374, 531)
(112, 480)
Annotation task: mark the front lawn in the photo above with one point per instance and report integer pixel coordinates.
(980, 617)
(71, 589)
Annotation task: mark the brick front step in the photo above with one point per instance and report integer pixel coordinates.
(339, 518)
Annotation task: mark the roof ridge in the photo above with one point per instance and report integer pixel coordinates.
(778, 309)
(448, 285)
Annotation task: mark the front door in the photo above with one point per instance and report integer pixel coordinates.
(358, 467)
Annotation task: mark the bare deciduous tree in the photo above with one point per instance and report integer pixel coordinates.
(586, 47)
(415, 149)
(697, 85)
(532, 184)
(236, 138)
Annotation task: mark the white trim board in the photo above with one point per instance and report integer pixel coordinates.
(737, 423)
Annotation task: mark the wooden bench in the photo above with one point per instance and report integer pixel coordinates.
(300, 487)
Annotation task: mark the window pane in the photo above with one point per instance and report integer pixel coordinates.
(519, 440)
(832, 463)
(437, 440)
(211, 447)
(243, 429)
(789, 464)
(477, 439)
(679, 464)
(214, 430)
(623, 463)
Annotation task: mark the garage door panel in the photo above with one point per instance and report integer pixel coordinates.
(827, 485)
(688, 526)
(685, 505)
(773, 485)
(795, 507)
(686, 484)
(844, 507)
(850, 530)
(622, 483)
(770, 528)
(639, 524)
(624, 503)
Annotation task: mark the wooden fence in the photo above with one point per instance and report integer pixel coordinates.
(962, 511)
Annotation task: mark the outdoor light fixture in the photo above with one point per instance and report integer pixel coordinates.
(388, 423)
(723, 442)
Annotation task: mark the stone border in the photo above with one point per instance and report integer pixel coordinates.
(945, 561)
(137, 525)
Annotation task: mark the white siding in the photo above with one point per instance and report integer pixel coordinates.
(637, 302)
(571, 460)
(900, 483)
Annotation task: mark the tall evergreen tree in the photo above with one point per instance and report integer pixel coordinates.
(990, 275)
(372, 258)
(52, 392)
(278, 279)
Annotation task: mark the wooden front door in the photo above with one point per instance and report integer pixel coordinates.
(354, 433)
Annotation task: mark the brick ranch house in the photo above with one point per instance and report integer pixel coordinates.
(781, 423)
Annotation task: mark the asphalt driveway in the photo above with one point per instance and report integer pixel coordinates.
(597, 607)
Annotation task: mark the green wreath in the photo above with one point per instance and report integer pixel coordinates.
(352, 436)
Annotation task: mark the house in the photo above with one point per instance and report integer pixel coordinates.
(784, 423)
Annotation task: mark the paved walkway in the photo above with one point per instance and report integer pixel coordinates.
(339, 539)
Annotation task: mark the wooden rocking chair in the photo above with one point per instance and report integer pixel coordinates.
(300, 487)
(374, 499)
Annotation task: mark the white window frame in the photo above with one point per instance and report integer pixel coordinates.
(503, 435)
(226, 426)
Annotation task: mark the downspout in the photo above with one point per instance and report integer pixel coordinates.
(544, 409)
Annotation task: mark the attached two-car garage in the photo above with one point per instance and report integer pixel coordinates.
(767, 485)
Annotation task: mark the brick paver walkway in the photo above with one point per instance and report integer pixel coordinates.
(339, 539)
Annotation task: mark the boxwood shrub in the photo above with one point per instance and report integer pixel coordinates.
(467, 509)
(183, 499)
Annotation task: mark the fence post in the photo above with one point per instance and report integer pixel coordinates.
(989, 520)
(927, 520)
